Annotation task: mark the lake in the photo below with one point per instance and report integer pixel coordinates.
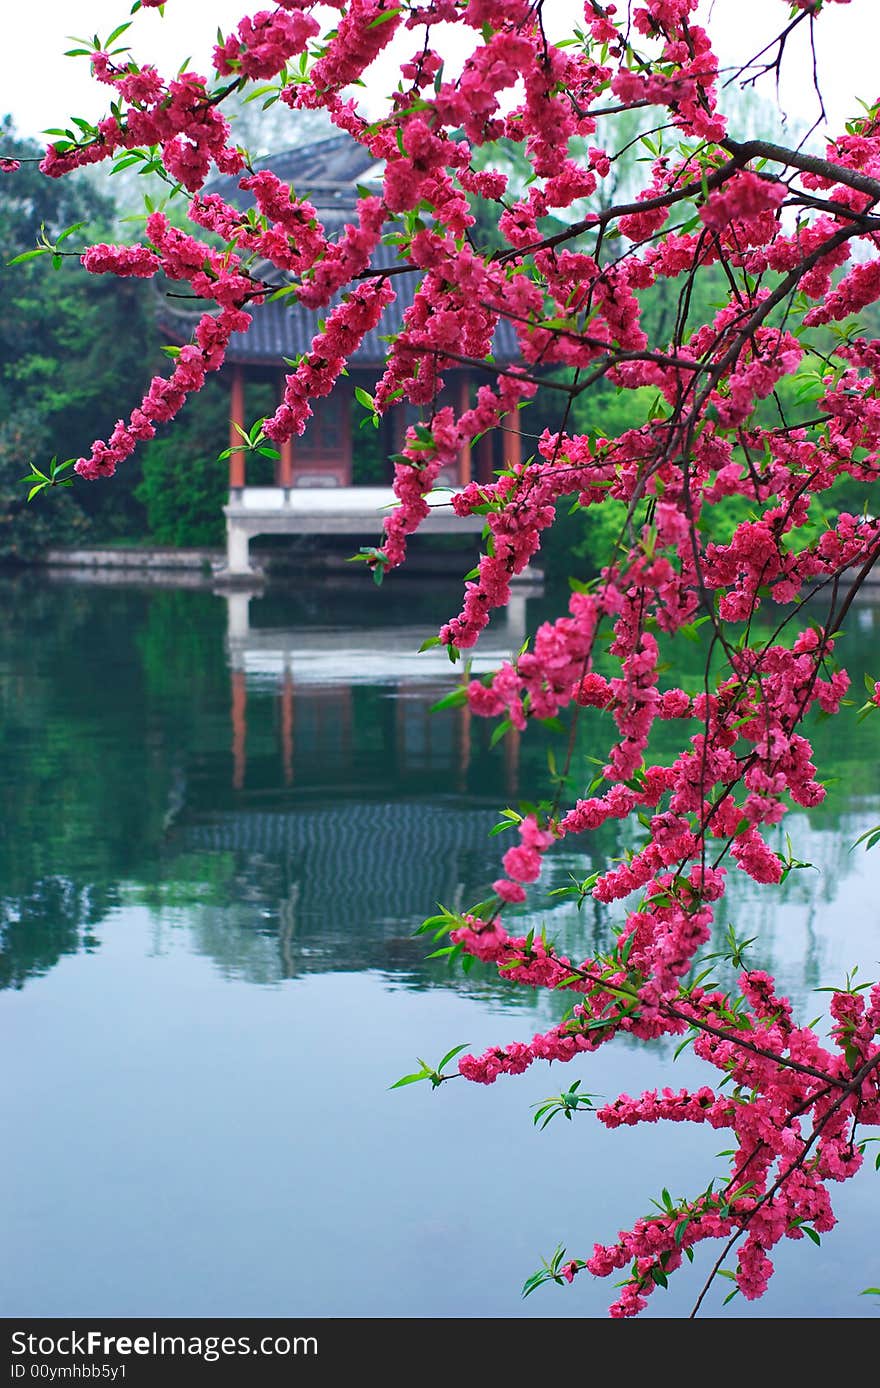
(224, 819)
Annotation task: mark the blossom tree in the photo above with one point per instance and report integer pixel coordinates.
(790, 240)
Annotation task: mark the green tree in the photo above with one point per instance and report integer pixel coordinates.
(69, 343)
(183, 487)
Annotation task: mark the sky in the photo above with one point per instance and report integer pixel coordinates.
(45, 91)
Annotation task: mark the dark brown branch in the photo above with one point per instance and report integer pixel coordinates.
(807, 163)
(734, 1038)
(599, 220)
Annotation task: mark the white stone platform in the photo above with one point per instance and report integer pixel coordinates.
(253, 511)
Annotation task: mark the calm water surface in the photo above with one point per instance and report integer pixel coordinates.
(223, 821)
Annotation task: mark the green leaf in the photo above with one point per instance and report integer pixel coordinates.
(445, 952)
(383, 18)
(500, 828)
(450, 1055)
(411, 1079)
(870, 837)
(532, 1283)
(500, 731)
(484, 910)
(69, 232)
(454, 699)
(28, 255)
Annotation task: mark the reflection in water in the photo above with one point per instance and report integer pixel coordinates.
(315, 670)
(343, 886)
(287, 793)
(162, 749)
(260, 783)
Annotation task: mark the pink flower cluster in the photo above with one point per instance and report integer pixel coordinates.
(523, 863)
(802, 1103)
(317, 373)
(423, 458)
(264, 42)
(179, 117)
(366, 27)
(213, 276)
(743, 198)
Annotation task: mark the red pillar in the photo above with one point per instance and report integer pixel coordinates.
(284, 466)
(239, 729)
(287, 727)
(464, 403)
(511, 439)
(511, 761)
(486, 457)
(464, 745)
(236, 417)
(345, 471)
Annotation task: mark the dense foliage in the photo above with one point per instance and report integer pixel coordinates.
(58, 381)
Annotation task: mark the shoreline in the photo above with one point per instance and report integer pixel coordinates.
(204, 568)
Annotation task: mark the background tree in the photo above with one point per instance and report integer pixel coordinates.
(70, 350)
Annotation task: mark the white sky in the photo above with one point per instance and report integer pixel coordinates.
(43, 90)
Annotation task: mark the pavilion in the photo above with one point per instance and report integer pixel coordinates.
(323, 484)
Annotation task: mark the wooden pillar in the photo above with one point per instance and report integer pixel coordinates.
(511, 439)
(511, 761)
(236, 417)
(287, 727)
(239, 729)
(486, 457)
(284, 466)
(464, 745)
(343, 404)
(464, 403)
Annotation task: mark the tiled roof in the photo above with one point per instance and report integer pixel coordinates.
(327, 172)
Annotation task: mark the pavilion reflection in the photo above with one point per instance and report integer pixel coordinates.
(314, 676)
